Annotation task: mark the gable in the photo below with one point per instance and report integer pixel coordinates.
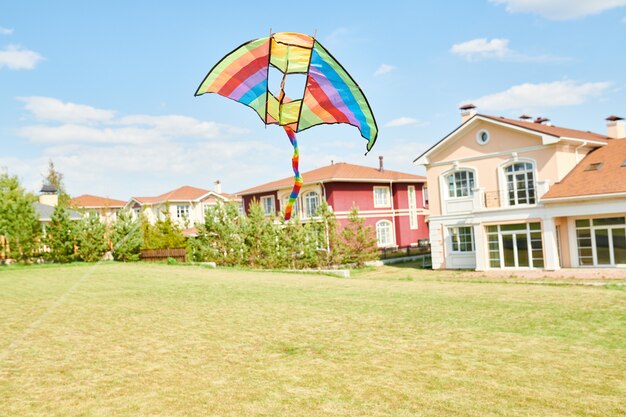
(463, 144)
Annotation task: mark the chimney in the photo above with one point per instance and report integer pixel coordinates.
(380, 164)
(218, 187)
(49, 195)
(467, 112)
(616, 127)
(525, 117)
(543, 121)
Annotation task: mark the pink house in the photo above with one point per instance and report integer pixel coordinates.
(393, 203)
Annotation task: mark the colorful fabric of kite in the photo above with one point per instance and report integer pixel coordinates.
(330, 94)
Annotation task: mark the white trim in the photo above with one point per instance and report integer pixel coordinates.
(328, 181)
(479, 137)
(392, 234)
(412, 204)
(268, 197)
(583, 197)
(492, 154)
(503, 186)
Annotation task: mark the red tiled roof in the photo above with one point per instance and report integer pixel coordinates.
(551, 130)
(337, 172)
(89, 201)
(610, 178)
(184, 193)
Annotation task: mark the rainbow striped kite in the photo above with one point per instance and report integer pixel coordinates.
(330, 94)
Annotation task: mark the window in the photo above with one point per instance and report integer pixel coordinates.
(182, 211)
(520, 183)
(296, 206)
(384, 233)
(601, 241)
(482, 137)
(462, 239)
(412, 207)
(137, 211)
(460, 184)
(594, 167)
(425, 196)
(311, 202)
(268, 205)
(381, 197)
(515, 246)
(94, 213)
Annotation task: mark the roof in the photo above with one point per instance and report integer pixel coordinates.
(48, 188)
(184, 193)
(610, 178)
(340, 171)
(551, 130)
(44, 212)
(92, 201)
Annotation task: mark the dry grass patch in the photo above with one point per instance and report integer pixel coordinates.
(155, 340)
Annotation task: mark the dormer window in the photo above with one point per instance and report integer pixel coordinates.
(520, 181)
(460, 184)
(595, 166)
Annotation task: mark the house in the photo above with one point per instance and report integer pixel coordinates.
(106, 209)
(186, 205)
(393, 203)
(524, 194)
(48, 200)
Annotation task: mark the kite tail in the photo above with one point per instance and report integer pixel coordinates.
(297, 178)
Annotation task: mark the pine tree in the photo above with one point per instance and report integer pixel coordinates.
(260, 238)
(163, 234)
(61, 235)
(126, 237)
(55, 178)
(220, 238)
(359, 242)
(18, 222)
(92, 241)
(327, 235)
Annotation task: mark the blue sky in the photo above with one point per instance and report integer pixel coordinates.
(105, 89)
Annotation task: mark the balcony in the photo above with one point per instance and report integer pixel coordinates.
(499, 199)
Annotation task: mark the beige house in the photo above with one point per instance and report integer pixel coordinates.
(522, 194)
(186, 205)
(106, 209)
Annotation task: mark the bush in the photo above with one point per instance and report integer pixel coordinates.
(92, 241)
(126, 237)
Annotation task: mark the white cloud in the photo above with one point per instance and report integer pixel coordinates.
(542, 95)
(17, 58)
(5, 31)
(560, 9)
(496, 48)
(481, 48)
(384, 69)
(47, 108)
(405, 121)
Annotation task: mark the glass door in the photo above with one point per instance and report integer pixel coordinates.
(619, 246)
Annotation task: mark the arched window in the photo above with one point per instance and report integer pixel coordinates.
(520, 183)
(384, 233)
(311, 203)
(296, 206)
(460, 184)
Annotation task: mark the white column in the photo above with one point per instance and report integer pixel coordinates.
(436, 245)
(550, 250)
(479, 248)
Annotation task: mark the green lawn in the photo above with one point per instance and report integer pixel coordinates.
(157, 340)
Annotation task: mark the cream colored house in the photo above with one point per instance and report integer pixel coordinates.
(106, 209)
(186, 205)
(523, 194)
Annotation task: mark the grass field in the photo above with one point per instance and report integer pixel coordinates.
(157, 340)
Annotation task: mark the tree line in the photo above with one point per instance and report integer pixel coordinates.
(227, 236)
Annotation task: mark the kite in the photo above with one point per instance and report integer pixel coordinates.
(330, 94)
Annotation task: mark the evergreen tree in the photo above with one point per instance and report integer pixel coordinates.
(163, 234)
(61, 235)
(220, 239)
(359, 243)
(327, 235)
(18, 221)
(55, 178)
(92, 240)
(261, 239)
(126, 237)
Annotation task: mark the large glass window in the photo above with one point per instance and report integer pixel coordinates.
(382, 197)
(520, 183)
(515, 246)
(460, 184)
(462, 239)
(384, 233)
(601, 241)
(312, 202)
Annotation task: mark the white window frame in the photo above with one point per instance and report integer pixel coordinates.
(505, 183)
(311, 195)
(455, 238)
(391, 235)
(268, 209)
(182, 211)
(470, 184)
(386, 194)
(412, 197)
(425, 196)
